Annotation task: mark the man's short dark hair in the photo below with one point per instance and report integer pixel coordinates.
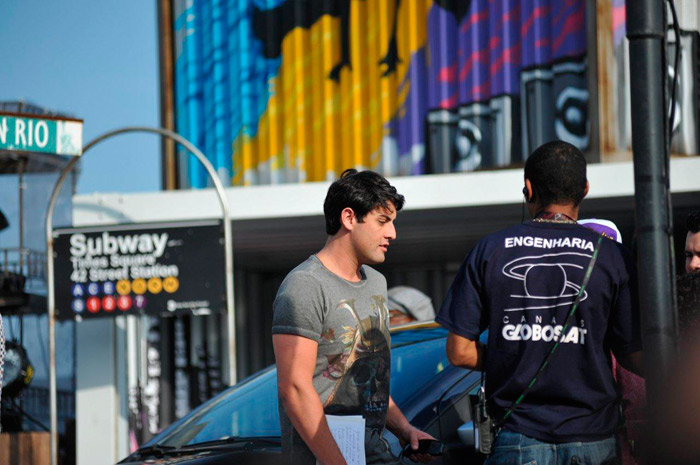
(557, 172)
(363, 191)
(692, 222)
(688, 289)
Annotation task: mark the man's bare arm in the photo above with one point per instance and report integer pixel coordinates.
(463, 352)
(296, 359)
(397, 423)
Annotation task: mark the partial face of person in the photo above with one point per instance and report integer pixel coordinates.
(372, 236)
(692, 252)
(397, 317)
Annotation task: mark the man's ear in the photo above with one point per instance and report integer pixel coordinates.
(347, 218)
(585, 191)
(530, 196)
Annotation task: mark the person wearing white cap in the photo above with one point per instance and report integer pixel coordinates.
(407, 304)
(606, 228)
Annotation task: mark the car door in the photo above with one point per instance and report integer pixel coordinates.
(434, 396)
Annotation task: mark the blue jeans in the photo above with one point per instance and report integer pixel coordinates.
(516, 449)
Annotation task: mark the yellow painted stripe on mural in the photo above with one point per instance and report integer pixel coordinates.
(330, 150)
(243, 147)
(236, 162)
(371, 58)
(358, 46)
(263, 139)
(286, 79)
(313, 124)
(273, 119)
(316, 163)
(378, 38)
(346, 128)
(388, 84)
(301, 49)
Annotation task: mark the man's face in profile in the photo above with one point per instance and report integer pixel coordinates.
(372, 235)
(692, 252)
(397, 317)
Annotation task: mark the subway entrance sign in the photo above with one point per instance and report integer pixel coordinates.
(39, 133)
(136, 269)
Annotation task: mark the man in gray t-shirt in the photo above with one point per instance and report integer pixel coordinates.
(330, 329)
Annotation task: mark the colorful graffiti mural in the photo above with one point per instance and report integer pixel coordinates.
(280, 91)
(686, 125)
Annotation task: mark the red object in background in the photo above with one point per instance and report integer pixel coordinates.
(124, 303)
(109, 303)
(93, 304)
(634, 401)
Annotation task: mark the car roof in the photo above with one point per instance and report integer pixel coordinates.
(413, 325)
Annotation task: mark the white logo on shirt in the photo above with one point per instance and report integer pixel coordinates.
(545, 283)
(535, 332)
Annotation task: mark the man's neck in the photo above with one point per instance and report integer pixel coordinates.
(568, 210)
(337, 256)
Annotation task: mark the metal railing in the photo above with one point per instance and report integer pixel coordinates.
(25, 262)
(34, 403)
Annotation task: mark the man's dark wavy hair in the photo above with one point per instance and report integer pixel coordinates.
(692, 221)
(363, 191)
(557, 171)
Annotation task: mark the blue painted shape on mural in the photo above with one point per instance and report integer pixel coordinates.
(249, 70)
(189, 84)
(217, 128)
(219, 63)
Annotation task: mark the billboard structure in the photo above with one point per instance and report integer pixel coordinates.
(288, 90)
(686, 124)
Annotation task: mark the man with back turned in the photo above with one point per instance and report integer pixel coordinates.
(521, 284)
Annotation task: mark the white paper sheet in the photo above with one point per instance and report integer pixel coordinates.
(349, 434)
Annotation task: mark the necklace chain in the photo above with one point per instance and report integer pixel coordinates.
(549, 217)
(544, 220)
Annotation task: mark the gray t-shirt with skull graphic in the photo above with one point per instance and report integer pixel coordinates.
(349, 321)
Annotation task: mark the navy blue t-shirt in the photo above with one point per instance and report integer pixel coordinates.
(520, 283)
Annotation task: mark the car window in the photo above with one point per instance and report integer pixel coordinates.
(251, 408)
(414, 365)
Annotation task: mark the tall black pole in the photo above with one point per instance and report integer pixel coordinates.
(646, 25)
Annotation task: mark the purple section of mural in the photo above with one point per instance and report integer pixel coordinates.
(536, 32)
(410, 126)
(619, 21)
(442, 79)
(568, 28)
(504, 47)
(481, 56)
(473, 72)
(494, 79)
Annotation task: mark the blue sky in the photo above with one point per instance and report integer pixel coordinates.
(94, 60)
